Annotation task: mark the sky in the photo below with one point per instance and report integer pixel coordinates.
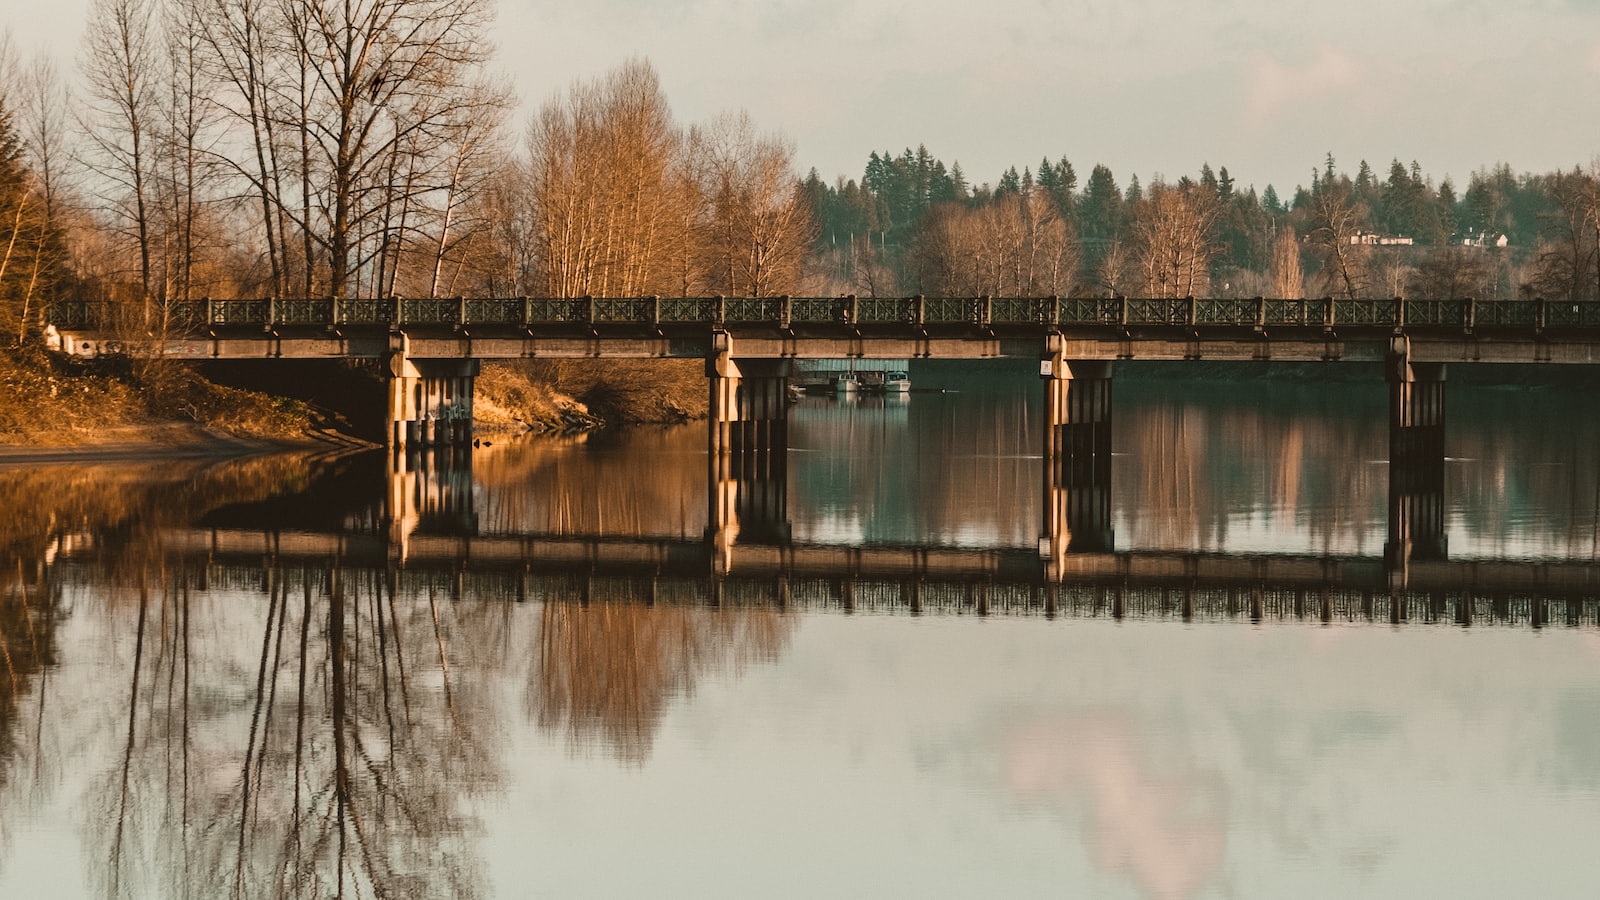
(1267, 88)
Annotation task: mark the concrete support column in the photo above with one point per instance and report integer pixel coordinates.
(429, 400)
(747, 449)
(1077, 458)
(1416, 463)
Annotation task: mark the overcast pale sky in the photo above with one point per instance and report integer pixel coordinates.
(1265, 87)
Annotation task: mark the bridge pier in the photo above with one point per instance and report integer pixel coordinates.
(429, 400)
(1416, 464)
(1077, 458)
(747, 449)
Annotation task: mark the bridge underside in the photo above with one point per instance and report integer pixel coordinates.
(1219, 343)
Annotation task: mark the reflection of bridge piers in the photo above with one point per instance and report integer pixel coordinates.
(1077, 457)
(748, 448)
(429, 490)
(1416, 463)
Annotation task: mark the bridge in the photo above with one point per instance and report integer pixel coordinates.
(1207, 586)
(431, 350)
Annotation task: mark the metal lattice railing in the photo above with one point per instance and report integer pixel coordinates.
(863, 312)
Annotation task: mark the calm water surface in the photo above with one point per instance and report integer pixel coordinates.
(180, 718)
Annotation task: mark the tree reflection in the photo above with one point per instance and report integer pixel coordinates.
(606, 671)
(1194, 465)
(331, 754)
(29, 610)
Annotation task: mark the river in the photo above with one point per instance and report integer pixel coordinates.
(531, 671)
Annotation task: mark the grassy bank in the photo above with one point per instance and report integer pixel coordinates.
(580, 395)
(51, 402)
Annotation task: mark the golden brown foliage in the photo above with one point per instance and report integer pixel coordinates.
(565, 395)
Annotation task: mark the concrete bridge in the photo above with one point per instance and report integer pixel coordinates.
(431, 348)
(893, 578)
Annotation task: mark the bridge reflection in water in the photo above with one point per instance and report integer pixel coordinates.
(425, 535)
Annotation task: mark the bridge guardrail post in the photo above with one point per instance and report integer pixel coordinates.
(1469, 314)
(719, 311)
(211, 312)
(461, 312)
(1399, 313)
(785, 311)
(396, 313)
(919, 311)
(1052, 311)
(986, 311)
(272, 314)
(527, 312)
(655, 310)
(852, 310)
(1189, 311)
(1261, 312)
(1327, 312)
(1538, 314)
(588, 310)
(1122, 311)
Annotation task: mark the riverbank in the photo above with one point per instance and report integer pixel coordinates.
(570, 396)
(54, 410)
(58, 410)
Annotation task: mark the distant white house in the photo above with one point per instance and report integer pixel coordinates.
(1374, 239)
(1484, 239)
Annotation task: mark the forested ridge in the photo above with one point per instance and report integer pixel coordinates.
(282, 148)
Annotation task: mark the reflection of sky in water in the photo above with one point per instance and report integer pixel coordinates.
(950, 757)
(687, 749)
(887, 755)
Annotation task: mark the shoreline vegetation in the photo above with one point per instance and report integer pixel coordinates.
(571, 396)
(55, 410)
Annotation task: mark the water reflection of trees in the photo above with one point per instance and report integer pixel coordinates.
(1526, 480)
(1189, 465)
(105, 509)
(595, 486)
(606, 671)
(29, 611)
(315, 738)
(954, 469)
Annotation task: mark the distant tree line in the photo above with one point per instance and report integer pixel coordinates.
(912, 224)
(285, 148)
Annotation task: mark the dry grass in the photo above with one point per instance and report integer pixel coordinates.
(46, 402)
(571, 395)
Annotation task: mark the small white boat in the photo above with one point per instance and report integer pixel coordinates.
(846, 383)
(896, 382)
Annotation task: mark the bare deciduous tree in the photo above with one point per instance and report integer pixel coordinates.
(758, 224)
(1338, 220)
(1566, 261)
(119, 55)
(1285, 275)
(1173, 233)
(607, 179)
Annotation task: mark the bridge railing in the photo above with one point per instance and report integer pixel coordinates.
(686, 309)
(786, 312)
(952, 311)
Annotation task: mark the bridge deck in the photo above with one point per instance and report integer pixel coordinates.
(838, 328)
(677, 557)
